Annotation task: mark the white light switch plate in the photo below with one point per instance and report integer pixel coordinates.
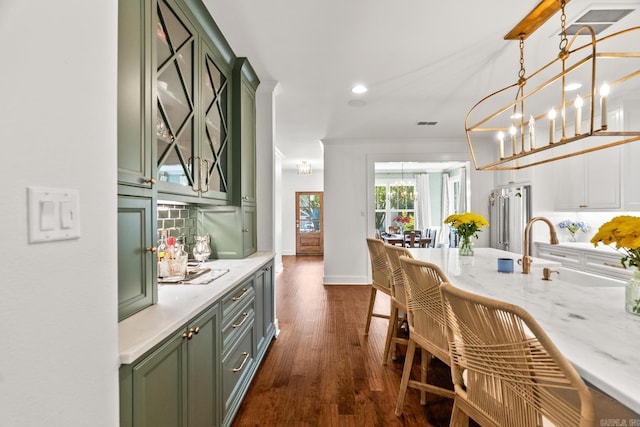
(54, 214)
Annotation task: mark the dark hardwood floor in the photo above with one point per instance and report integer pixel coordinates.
(322, 370)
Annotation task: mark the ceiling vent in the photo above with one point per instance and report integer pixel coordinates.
(427, 123)
(598, 19)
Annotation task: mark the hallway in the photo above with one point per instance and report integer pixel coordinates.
(322, 370)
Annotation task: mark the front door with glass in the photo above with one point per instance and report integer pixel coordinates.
(309, 224)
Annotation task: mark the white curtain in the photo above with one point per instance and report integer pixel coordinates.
(422, 205)
(446, 210)
(462, 197)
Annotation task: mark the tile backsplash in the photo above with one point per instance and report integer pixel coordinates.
(179, 221)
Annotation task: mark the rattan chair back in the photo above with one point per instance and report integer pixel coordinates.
(424, 304)
(380, 271)
(398, 277)
(515, 376)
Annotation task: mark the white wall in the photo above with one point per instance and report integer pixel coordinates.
(58, 301)
(292, 182)
(349, 197)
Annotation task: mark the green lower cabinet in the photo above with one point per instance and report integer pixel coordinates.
(238, 368)
(175, 385)
(265, 329)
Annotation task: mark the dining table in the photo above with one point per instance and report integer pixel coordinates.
(400, 239)
(583, 314)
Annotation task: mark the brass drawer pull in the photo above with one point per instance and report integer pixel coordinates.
(556, 254)
(246, 357)
(612, 265)
(195, 330)
(238, 298)
(244, 319)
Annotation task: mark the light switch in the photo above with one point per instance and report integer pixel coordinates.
(53, 214)
(47, 215)
(66, 214)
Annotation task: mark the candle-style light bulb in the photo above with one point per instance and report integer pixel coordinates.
(501, 140)
(552, 125)
(532, 133)
(512, 132)
(604, 92)
(578, 103)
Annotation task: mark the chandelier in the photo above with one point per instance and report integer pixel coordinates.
(541, 118)
(304, 168)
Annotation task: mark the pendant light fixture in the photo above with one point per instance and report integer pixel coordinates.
(507, 129)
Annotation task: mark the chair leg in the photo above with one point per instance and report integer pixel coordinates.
(406, 374)
(391, 333)
(458, 417)
(424, 365)
(371, 303)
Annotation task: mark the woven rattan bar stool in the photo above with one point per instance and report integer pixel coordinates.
(398, 300)
(380, 276)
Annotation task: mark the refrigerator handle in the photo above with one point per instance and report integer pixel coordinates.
(506, 224)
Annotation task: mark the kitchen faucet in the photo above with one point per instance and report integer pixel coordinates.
(525, 261)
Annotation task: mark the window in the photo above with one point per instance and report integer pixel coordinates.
(394, 197)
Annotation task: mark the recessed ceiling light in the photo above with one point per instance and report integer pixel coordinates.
(573, 86)
(359, 89)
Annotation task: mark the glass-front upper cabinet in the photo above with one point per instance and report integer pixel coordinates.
(175, 113)
(215, 141)
(192, 104)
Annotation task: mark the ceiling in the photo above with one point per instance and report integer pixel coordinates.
(421, 61)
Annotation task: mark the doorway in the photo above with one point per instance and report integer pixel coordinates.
(309, 223)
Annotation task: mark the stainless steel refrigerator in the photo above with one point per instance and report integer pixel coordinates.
(509, 212)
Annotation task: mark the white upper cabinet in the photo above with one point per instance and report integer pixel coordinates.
(588, 182)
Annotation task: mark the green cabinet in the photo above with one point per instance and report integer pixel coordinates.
(265, 327)
(245, 84)
(176, 384)
(191, 111)
(136, 254)
(232, 230)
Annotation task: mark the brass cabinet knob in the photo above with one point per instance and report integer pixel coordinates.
(187, 335)
(195, 330)
(152, 249)
(245, 230)
(151, 181)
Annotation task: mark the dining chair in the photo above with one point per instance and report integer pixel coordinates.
(514, 374)
(398, 300)
(431, 233)
(380, 277)
(426, 326)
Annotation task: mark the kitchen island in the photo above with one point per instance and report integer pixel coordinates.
(584, 315)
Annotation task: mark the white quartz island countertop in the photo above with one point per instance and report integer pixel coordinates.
(177, 304)
(583, 314)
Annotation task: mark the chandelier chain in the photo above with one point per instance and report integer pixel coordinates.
(522, 72)
(563, 28)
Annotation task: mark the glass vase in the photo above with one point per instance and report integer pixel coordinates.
(632, 294)
(465, 248)
(572, 236)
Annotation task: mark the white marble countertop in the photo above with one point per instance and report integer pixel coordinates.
(177, 304)
(586, 321)
(585, 247)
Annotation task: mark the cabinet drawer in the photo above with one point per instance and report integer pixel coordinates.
(606, 265)
(238, 324)
(236, 369)
(236, 299)
(567, 257)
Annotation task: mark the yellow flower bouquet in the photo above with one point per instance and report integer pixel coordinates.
(466, 225)
(624, 231)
